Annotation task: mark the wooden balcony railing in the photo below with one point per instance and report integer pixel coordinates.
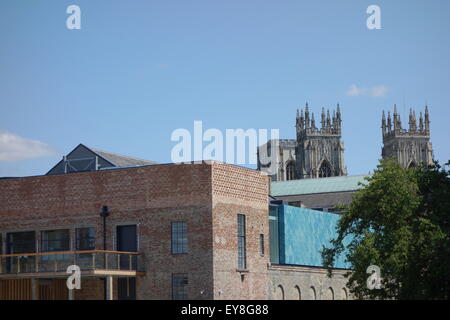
(88, 260)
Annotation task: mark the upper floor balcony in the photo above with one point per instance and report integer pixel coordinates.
(54, 264)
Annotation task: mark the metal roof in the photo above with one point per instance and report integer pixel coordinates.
(108, 160)
(319, 185)
(122, 161)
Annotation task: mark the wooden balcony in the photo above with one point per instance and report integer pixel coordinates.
(98, 263)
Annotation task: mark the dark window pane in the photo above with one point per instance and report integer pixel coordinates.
(179, 286)
(261, 244)
(21, 242)
(242, 263)
(290, 171)
(55, 240)
(179, 237)
(85, 239)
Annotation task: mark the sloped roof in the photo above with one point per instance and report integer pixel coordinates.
(82, 153)
(320, 185)
(122, 161)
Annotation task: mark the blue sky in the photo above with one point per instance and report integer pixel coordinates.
(137, 70)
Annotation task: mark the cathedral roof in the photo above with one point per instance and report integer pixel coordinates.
(320, 185)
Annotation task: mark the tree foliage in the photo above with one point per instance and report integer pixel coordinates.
(400, 222)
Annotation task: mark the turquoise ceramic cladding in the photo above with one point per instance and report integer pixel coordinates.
(302, 235)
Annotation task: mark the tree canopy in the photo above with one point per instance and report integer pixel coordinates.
(400, 222)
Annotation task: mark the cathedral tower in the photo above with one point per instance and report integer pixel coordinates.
(319, 152)
(411, 146)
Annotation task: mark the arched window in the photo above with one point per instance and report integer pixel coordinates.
(313, 293)
(330, 294)
(298, 293)
(344, 294)
(279, 293)
(325, 169)
(290, 170)
(412, 164)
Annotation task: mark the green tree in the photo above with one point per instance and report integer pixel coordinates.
(400, 222)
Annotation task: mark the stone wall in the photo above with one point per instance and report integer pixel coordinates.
(306, 283)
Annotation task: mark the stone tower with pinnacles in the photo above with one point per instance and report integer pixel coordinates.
(409, 147)
(318, 152)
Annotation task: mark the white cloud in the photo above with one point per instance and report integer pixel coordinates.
(379, 91)
(13, 148)
(354, 91)
(376, 91)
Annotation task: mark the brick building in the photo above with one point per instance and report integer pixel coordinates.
(173, 231)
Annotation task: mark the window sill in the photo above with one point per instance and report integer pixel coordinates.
(242, 270)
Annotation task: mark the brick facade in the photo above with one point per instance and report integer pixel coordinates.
(237, 190)
(208, 196)
(152, 197)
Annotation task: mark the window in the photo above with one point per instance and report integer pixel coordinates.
(313, 293)
(179, 237)
(242, 263)
(325, 170)
(412, 165)
(298, 293)
(21, 242)
(261, 244)
(179, 286)
(279, 293)
(55, 240)
(330, 294)
(274, 239)
(85, 239)
(290, 171)
(344, 294)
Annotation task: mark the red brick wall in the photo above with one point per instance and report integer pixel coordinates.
(151, 197)
(236, 191)
(208, 197)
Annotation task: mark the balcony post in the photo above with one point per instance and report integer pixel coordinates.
(109, 288)
(36, 263)
(34, 287)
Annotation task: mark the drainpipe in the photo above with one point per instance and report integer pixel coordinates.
(104, 214)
